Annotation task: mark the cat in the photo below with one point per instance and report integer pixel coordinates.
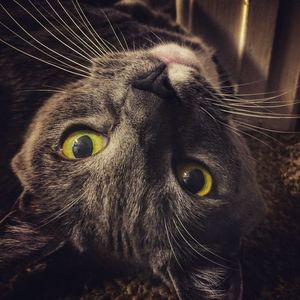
(116, 139)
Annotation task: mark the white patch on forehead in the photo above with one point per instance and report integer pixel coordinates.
(173, 54)
(178, 73)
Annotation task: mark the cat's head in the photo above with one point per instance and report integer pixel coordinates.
(140, 159)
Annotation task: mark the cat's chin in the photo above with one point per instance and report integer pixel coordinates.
(172, 53)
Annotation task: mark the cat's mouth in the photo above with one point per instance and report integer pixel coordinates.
(175, 54)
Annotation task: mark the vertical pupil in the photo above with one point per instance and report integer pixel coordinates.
(83, 147)
(193, 180)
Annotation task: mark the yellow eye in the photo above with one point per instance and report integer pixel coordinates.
(196, 179)
(83, 143)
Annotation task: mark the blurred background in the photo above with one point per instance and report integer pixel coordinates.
(257, 41)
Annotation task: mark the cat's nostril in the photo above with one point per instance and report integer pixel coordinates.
(156, 82)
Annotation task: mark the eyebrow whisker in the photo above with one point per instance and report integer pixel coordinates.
(91, 29)
(82, 51)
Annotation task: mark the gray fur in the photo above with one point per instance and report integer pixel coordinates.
(126, 201)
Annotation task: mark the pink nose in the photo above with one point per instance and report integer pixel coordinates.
(172, 53)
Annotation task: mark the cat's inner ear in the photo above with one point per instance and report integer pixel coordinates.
(22, 167)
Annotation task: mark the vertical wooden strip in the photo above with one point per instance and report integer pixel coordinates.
(182, 12)
(298, 105)
(257, 52)
(285, 63)
(258, 42)
(190, 20)
(256, 56)
(219, 23)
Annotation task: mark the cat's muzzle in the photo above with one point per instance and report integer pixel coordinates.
(156, 82)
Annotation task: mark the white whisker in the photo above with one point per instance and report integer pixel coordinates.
(171, 246)
(259, 130)
(50, 32)
(88, 26)
(44, 61)
(231, 128)
(237, 99)
(114, 32)
(73, 33)
(238, 132)
(123, 37)
(242, 105)
(174, 285)
(91, 29)
(195, 250)
(83, 52)
(270, 92)
(244, 84)
(262, 115)
(46, 90)
(101, 52)
(42, 51)
(150, 41)
(158, 37)
(264, 128)
(202, 246)
(7, 216)
(60, 212)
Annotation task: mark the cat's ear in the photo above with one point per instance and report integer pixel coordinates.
(21, 166)
(207, 282)
(22, 238)
(21, 241)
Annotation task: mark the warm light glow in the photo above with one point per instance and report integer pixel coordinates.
(243, 32)
(179, 9)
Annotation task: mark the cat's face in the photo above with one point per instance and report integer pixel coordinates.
(131, 198)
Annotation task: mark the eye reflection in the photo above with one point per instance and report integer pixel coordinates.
(82, 144)
(195, 179)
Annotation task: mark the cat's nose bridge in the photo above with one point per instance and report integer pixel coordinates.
(156, 82)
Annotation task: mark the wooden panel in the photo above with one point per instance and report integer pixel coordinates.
(298, 105)
(219, 22)
(183, 13)
(261, 24)
(285, 63)
(256, 56)
(257, 41)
